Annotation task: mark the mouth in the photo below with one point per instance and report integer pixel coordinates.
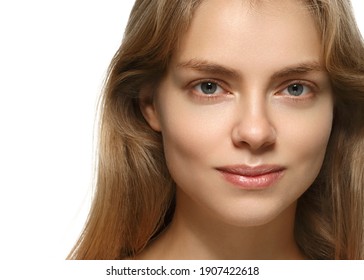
(252, 177)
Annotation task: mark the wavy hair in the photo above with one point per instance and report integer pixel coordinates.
(134, 194)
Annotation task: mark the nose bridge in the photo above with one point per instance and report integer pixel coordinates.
(254, 125)
(254, 104)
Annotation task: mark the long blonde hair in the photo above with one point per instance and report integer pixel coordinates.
(134, 195)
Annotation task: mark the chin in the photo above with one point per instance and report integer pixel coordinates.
(259, 217)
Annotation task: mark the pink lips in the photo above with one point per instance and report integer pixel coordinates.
(252, 178)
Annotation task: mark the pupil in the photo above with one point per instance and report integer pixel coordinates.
(295, 89)
(209, 88)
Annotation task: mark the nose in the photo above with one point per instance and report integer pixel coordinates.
(253, 127)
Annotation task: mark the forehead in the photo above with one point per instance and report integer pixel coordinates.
(243, 33)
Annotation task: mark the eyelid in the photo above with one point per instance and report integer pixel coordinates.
(220, 83)
(312, 86)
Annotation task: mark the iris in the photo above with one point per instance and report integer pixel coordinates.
(295, 89)
(208, 87)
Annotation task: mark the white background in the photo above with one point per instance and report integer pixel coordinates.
(53, 59)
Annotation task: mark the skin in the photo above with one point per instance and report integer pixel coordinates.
(253, 53)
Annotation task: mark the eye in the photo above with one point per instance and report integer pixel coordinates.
(208, 88)
(297, 89)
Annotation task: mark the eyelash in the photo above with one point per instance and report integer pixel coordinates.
(312, 90)
(200, 95)
(311, 87)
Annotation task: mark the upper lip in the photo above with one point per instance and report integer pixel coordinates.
(251, 171)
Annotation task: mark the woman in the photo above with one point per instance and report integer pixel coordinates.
(232, 130)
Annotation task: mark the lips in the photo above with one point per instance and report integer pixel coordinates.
(250, 178)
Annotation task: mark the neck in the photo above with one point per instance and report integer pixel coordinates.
(198, 235)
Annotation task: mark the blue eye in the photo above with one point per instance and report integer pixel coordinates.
(297, 89)
(208, 87)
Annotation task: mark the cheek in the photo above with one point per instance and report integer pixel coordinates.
(192, 135)
(305, 140)
(191, 132)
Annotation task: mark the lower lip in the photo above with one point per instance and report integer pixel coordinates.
(258, 182)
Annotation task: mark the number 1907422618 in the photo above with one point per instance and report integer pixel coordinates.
(220, 270)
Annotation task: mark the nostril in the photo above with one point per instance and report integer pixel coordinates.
(254, 134)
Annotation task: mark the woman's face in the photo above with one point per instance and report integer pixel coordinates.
(245, 110)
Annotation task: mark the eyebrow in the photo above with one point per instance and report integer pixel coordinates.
(213, 68)
(209, 67)
(301, 68)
